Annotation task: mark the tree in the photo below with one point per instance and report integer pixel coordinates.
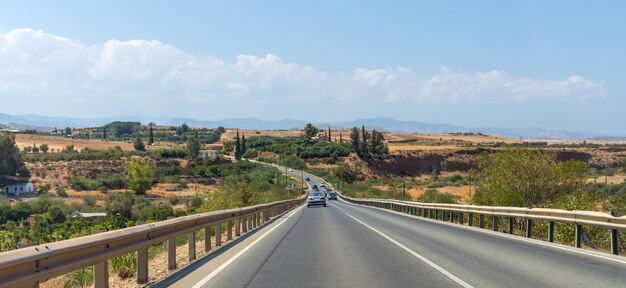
(55, 214)
(27, 149)
(35, 148)
(340, 138)
(68, 131)
(11, 163)
(364, 145)
(329, 136)
(526, 178)
(221, 129)
(193, 148)
(138, 144)
(345, 173)
(104, 133)
(378, 148)
(243, 144)
(44, 148)
(310, 131)
(151, 139)
(140, 176)
(237, 147)
(355, 139)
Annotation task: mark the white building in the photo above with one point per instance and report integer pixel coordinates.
(19, 188)
(205, 154)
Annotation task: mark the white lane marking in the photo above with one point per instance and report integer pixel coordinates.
(418, 256)
(504, 235)
(232, 259)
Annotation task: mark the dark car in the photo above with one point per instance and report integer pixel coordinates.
(315, 187)
(308, 179)
(332, 195)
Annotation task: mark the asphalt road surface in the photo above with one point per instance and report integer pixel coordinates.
(345, 245)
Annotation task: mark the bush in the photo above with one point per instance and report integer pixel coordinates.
(61, 192)
(78, 278)
(345, 173)
(125, 265)
(80, 183)
(434, 196)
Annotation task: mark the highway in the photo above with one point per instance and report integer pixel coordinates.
(345, 245)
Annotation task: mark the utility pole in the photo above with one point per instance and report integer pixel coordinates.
(404, 187)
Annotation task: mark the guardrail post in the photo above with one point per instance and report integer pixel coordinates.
(551, 231)
(481, 220)
(614, 242)
(257, 218)
(229, 227)
(579, 235)
(244, 222)
(511, 224)
(191, 238)
(207, 239)
(496, 221)
(101, 270)
(218, 235)
(436, 214)
(529, 228)
(237, 227)
(461, 218)
(470, 219)
(142, 265)
(171, 253)
(451, 216)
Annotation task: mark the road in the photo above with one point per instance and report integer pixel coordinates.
(345, 245)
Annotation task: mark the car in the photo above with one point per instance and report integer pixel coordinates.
(290, 170)
(308, 179)
(316, 198)
(315, 187)
(322, 185)
(332, 195)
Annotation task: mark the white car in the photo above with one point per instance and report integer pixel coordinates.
(290, 170)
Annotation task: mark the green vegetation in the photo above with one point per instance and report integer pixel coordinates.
(526, 178)
(310, 131)
(369, 144)
(434, 196)
(301, 147)
(11, 162)
(141, 175)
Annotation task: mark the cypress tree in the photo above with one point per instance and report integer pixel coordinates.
(237, 147)
(354, 137)
(364, 146)
(329, 137)
(104, 132)
(340, 139)
(151, 136)
(243, 144)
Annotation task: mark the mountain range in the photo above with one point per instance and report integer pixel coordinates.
(47, 123)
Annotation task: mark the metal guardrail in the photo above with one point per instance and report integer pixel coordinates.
(455, 212)
(36, 264)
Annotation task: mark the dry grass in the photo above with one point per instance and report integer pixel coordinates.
(617, 179)
(58, 143)
(405, 147)
(462, 191)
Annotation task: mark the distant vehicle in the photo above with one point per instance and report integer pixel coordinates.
(315, 187)
(290, 170)
(308, 179)
(322, 185)
(316, 198)
(332, 195)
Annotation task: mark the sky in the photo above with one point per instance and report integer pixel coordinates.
(557, 65)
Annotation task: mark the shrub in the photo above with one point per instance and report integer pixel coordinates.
(124, 265)
(61, 192)
(78, 278)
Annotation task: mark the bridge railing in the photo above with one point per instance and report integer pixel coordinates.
(35, 264)
(456, 213)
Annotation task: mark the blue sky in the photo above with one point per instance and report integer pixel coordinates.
(548, 64)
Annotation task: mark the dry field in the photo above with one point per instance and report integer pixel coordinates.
(405, 147)
(462, 191)
(56, 143)
(230, 134)
(617, 179)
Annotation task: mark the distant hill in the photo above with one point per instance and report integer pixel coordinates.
(46, 123)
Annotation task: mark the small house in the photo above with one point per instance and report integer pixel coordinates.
(206, 154)
(19, 188)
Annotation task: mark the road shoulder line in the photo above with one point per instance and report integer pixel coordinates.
(244, 250)
(415, 254)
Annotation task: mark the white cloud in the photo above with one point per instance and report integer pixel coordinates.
(37, 67)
